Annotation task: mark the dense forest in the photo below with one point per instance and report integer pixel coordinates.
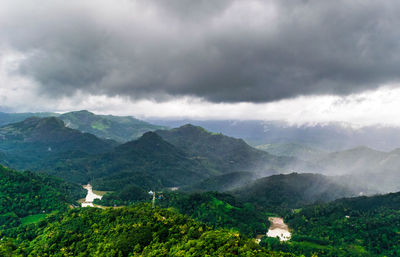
(223, 202)
(362, 226)
(28, 196)
(130, 231)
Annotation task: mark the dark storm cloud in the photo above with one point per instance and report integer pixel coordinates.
(219, 50)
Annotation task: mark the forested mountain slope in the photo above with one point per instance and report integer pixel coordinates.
(148, 162)
(49, 135)
(26, 193)
(222, 153)
(293, 190)
(118, 128)
(133, 231)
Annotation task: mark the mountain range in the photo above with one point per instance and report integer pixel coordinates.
(182, 165)
(117, 128)
(328, 137)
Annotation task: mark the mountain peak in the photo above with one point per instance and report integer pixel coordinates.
(81, 113)
(192, 129)
(150, 136)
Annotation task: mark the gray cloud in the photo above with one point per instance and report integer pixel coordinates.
(220, 50)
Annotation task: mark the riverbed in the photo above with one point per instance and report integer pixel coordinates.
(279, 229)
(90, 196)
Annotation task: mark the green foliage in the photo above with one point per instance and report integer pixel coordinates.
(127, 196)
(221, 153)
(363, 226)
(133, 231)
(118, 128)
(26, 194)
(149, 163)
(219, 210)
(33, 218)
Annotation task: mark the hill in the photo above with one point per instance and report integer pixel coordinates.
(49, 135)
(41, 143)
(362, 226)
(326, 136)
(26, 194)
(118, 128)
(149, 162)
(133, 231)
(375, 170)
(223, 154)
(292, 190)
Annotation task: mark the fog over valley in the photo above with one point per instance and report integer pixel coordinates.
(200, 128)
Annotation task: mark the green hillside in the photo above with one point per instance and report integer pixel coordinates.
(49, 135)
(24, 196)
(222, 153)
(292, 190)
(134, 231)
(149, 162)
(118, 128)
(362, 226)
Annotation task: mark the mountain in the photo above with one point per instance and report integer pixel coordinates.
(43, 144)
(352, 160)
(25, 196)
(325, 136)
(148, 162)
(375, 170)
(298, 151)
(118, 128)
(222, 153)
(49, 135)
(293, 190)
(7, 118)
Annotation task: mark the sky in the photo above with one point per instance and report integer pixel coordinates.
(301, 61)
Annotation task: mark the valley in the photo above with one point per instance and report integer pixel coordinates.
(220, 182)
(176, 128)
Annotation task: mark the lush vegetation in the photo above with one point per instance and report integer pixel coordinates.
(221, 153)
(24, 196)
(149, 162)
(118, 128)
(132, 231)
(219, 211)
(363, 226)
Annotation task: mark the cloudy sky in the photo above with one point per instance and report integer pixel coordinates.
(295, 60)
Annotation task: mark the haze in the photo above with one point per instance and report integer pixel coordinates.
(299, 61)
